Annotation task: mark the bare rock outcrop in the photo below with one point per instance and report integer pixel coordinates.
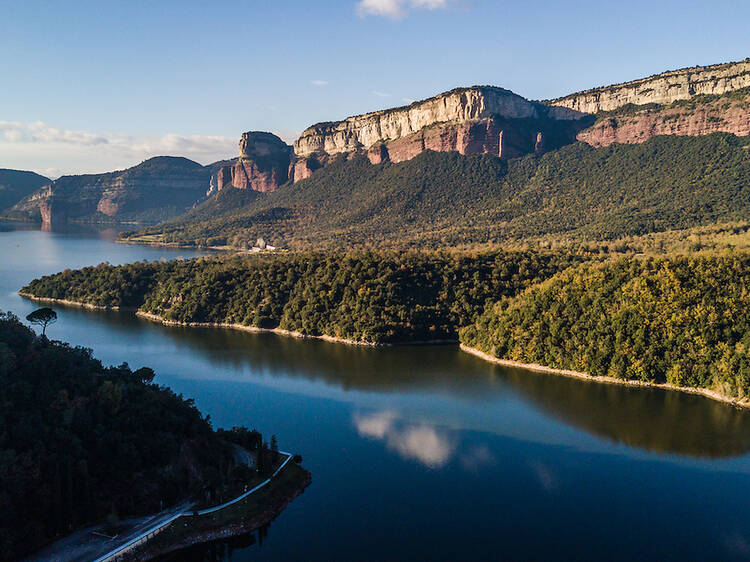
(263, 164)
(726, 114)
(664, 88)
(476, 120)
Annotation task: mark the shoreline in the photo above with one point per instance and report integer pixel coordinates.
(705, 392)
(179, 246)
(77, 304)
(282, 332)
(278, 501)
(232, 326)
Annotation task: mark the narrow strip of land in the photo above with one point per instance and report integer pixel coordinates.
(741, 403)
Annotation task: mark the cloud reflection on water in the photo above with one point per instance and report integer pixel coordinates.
(431, 446)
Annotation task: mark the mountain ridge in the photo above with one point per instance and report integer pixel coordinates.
(158, 188)
(17, 184)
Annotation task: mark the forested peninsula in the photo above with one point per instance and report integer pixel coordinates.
(81, 443)
(672, 320)
(365, 297)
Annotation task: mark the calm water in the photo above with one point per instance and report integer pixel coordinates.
(426, 452)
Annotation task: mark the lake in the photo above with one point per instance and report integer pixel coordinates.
(427, 452)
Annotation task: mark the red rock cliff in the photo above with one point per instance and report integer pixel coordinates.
(476, 120)
(263, 164)
(729, 113)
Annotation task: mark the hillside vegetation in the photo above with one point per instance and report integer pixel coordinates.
(17, 184)
(681, 320)
(80, 442)
(445, 199)
(373, 297)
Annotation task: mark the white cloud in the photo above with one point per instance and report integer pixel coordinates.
(381, 94)
(51, 150)
(396, 9)
(408, 100)
(319, 83)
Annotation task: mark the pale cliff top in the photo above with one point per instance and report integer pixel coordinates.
(665, 74)
(497, 90)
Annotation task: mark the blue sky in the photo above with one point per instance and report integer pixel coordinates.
(93, 86)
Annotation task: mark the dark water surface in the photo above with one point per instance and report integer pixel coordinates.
(426, 452)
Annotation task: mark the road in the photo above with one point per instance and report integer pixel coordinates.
(84, 546)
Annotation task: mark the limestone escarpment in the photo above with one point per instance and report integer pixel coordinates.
(664, 88)
(476, 120)
(729, 113)
(157, 189)
(263, 164)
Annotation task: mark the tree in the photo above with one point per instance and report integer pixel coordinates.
(274, 444)
(43, 317)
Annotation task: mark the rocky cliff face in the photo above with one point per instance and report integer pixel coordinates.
(476, 120)
(155, 190)
(263, 164)
(729, 113)
(664, 88)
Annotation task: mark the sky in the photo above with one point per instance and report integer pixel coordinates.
(93, 86)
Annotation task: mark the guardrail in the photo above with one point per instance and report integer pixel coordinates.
(140, 539)
(243, 496)
(146, 535)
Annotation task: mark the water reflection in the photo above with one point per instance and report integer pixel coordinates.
(219, 550)
(650, 419)
(430, 445)
(419, 442)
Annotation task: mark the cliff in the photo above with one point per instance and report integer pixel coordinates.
(664, 88)
(157, 189)
(475, 120)
(17, 184)
(702, 115)
(263, 164)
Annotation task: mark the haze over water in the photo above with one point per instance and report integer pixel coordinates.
(426, 452)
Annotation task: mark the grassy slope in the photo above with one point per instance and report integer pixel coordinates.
(446, 199)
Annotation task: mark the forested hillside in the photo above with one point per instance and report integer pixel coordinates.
(17, 184)
(445, 199)
(681, 320)
(374, 297)
(80, 442)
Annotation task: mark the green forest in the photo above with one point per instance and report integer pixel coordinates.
(676, 319)
(81, 442)
(680, 320)
(376, 297)
(439, 200)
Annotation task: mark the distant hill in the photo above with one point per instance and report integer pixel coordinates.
(446, 199)
(156, 189)
(17, 184)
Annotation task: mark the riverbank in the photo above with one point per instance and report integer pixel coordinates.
(232, 326)
(252, 513)
(160, 244)
(712, 394)
(282, 332)
(740, 403)
(77, 304)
